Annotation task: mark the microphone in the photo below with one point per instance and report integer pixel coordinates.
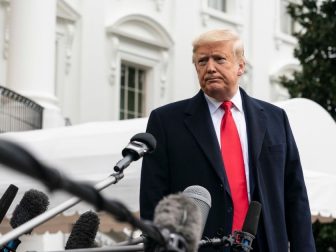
(84, 232)
(32, 204)
(252, 218)
(7, 199)
(202, 198)
(240, 241)
(181, 218)
(243, 239)
(179, 221)
(139, 145)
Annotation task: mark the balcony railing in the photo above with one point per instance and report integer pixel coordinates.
(18, 113)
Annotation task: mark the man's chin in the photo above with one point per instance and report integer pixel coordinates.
(218, 93)
(213, 92)
(213, 87)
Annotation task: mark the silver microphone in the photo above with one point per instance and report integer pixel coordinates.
(202, 198)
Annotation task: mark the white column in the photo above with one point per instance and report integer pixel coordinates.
(31, 59)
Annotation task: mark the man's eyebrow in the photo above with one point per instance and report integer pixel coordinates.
(204, 56)
(218, 54)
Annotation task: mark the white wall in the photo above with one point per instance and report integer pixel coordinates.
(98, 35)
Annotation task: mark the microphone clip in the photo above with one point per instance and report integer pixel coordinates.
(174, 242)
(225, 241)
(171, 242)
(242, 241)
(239, 242)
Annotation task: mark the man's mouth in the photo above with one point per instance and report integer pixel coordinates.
(212, 79)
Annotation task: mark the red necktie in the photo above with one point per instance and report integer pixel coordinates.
(234, 166)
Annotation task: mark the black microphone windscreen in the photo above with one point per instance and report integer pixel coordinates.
(252, 218)
(32, 204)
(201, 198)
(6, 200)
(84, 231)
(146, 138)
(178, 214)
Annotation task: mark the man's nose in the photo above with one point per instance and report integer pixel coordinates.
(211, 67)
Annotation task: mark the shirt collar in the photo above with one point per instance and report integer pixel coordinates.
(214, 104)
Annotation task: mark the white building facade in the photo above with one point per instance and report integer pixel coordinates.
(109, 60)
(89, 60)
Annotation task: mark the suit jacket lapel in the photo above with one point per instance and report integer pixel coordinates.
(256, 129)
(199, 123)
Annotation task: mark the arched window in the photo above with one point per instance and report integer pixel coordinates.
(139, 49)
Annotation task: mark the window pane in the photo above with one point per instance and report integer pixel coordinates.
(131, 77)
(122, 74)
(140, 104)
(141, 79)
(131, 97)
(130, 116)
(122, 98)
(131, 91)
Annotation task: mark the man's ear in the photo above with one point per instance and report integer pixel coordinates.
(241, 67)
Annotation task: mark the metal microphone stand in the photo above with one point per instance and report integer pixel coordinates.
(17, 158)
(12, 155)
(225, 241)
(24, 228)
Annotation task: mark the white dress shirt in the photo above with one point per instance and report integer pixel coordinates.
(237, 111)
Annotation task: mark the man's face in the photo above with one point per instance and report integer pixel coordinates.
(218, 69)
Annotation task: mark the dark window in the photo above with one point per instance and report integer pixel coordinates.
(132, 95)
(220, 5)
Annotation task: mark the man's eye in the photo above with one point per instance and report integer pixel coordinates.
(202, 62)
(221, 60)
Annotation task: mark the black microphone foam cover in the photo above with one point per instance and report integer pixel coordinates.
(202, 198)
(6, 200)
(84, 232)
(252, 218)
(147, 139)
(180, 215)
(32, 204)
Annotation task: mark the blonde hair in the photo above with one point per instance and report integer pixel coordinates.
(220, 35)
